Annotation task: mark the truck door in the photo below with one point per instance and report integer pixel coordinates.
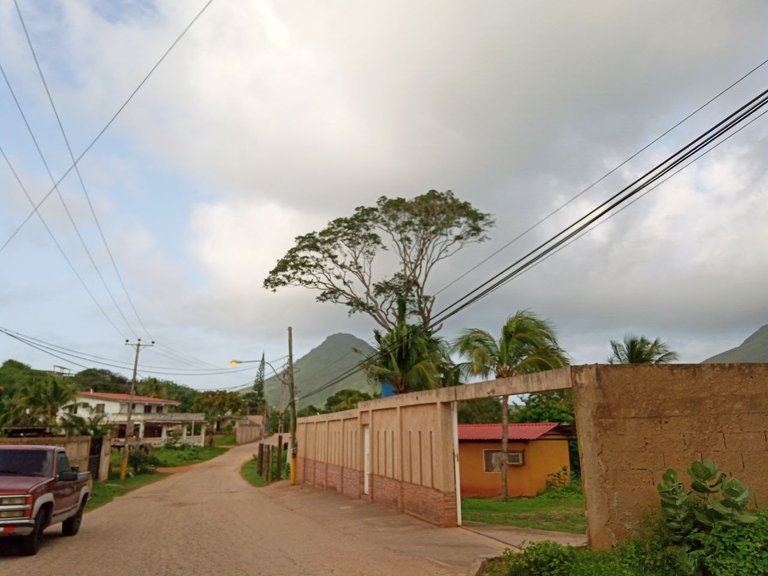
(65, 493)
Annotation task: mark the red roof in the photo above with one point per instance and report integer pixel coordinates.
(525, 431)
(116, 397)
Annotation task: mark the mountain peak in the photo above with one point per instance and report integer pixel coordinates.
(753, 349)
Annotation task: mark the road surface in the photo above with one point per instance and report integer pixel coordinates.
(208, 520)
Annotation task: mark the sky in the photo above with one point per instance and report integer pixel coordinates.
(269, 119)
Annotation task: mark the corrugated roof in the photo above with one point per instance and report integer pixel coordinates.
(525, 431)
(127, 398)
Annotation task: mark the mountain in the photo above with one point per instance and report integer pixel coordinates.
(335, 356)
(753, 349)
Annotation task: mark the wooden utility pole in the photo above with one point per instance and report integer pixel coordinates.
(292, 400)
(504, 446)
(129, 422)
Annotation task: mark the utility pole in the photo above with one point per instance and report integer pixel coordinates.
(292, 400)
(128, 422)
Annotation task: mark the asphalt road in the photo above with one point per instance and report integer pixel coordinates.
(208, 520)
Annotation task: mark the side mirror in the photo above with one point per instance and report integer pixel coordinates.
(68, 476)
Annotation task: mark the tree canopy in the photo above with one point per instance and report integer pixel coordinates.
(640, 350)
(346, 264)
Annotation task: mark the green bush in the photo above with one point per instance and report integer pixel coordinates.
(702, 531)
(141, 461)
(729, 550)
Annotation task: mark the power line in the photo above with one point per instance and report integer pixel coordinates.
(82, 184)
(601, 178)
(679, 157)
(53, 237)
(109, 123)
(60, 196)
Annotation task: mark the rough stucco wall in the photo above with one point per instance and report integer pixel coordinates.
(634, 422)
(77, 447)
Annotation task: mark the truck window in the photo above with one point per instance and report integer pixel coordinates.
(25, 463)
(62, 463)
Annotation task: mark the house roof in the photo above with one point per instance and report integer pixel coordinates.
(525, 431)
(116, 397)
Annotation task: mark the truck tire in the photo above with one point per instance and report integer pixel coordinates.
(71, 526)
(29, 545)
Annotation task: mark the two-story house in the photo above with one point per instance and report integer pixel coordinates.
(153, 420)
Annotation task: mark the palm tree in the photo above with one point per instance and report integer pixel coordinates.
(38, 401)
(527, 344)
(640, 350)
(408, 359)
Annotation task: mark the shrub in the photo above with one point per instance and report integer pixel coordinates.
(141, 462)
(728, 550)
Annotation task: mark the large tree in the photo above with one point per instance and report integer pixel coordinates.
(346, 264)
(640, 350)
(527, 344)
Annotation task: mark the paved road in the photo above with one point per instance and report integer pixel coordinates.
(208, 520)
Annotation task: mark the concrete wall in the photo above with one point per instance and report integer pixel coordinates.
(634, 422)
(245, 433)
(77, 447)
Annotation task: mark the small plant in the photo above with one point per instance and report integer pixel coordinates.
(714, 501)
(142, 462)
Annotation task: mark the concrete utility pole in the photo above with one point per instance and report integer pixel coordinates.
(128, 422)
(292, 400)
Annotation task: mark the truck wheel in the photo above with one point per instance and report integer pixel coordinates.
(71, 526)
(29, 545)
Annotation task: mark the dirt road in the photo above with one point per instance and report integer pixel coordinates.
(208, 520)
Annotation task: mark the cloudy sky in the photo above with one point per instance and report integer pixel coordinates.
(268, 119)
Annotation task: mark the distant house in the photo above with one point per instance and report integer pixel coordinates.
(535, 451)
(153, 420)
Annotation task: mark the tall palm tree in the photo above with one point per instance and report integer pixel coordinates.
(640, 350)
(408, 359)
(527, 344)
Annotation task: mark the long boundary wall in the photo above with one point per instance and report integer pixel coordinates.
(632, 422)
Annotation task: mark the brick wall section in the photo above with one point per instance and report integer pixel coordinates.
(634, 422)
(351, 482)
(320, 474)
(334, 477)
(430, 505)
(386, 492)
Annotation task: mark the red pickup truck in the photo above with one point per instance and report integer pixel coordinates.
(38, 488)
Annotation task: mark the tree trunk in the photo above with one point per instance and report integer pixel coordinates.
(504, 445)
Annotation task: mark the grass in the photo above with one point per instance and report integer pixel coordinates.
(250, 471)
(184, 456)
(224, 440)
(558, 510)
(107, 490)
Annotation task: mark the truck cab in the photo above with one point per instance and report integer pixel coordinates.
(38, 488)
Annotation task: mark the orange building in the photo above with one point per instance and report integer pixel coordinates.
(535, 452)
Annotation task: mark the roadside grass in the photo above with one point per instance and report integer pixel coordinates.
(224, 440)
(104, 491)
(250, 471)
(558, 510)
(185, 455)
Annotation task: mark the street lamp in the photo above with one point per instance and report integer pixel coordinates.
(292, 404)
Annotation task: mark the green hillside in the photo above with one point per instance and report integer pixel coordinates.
(753, 349)
(335, 356)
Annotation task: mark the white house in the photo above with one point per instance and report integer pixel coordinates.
(153, 420)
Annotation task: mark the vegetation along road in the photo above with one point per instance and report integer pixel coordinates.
(208, 520)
